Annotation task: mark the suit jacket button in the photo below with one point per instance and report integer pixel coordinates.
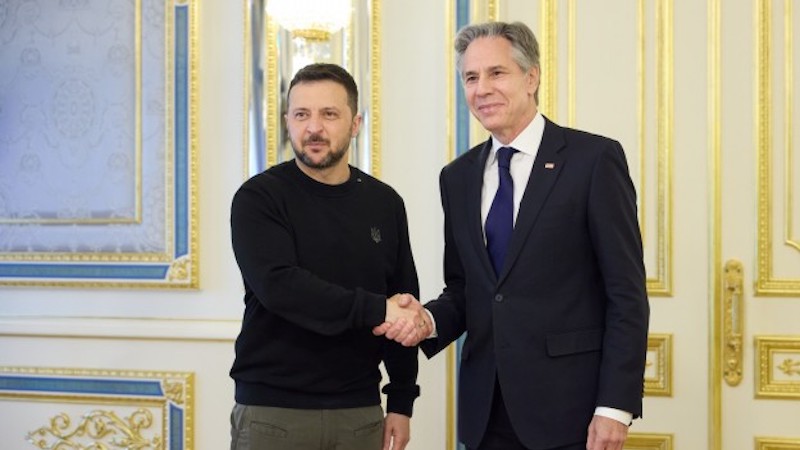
(498, 298)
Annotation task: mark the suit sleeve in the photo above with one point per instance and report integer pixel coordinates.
(616, 238)
(449, 309)
(401, 362)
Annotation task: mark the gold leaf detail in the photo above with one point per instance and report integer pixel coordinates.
(173, 390)
(97, 430)
(179, 270)
(790, 367)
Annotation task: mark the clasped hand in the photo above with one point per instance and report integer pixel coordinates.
(406, 321)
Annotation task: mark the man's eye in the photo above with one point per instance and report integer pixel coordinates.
(331, 114)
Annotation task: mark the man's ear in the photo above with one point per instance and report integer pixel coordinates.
(356, 125)
(533, 79)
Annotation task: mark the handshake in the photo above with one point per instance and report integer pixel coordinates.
(407, 322)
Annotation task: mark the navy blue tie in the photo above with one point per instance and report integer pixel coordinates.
(500, 221)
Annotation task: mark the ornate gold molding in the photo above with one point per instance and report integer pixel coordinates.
(766, 284)
(99, 430)
(648, 441)
(791, 239)
(548, 49)
(658, 371)
(168, 394)
(772, 443)
(777, 363)
(661, 284)
(714, 126)
(375, 86)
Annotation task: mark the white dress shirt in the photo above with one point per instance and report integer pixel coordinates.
(527, 146)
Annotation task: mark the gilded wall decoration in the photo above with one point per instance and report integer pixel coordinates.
(99, 409)
(97, 430)
(648, 441)
(98, 144)
(777, 365)
(658, 368)
(764, 443)
(778, 170)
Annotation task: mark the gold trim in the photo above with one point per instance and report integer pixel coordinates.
(764, 443)
(661, 385)
(768, 362)
(493, 10)
(194, 139)
(715, 268)
(273, 113)
(192, 182)
(375, 87)
(662, 285)
(765, 284)
(640, 113)
(449, 29)
(548, 44)
(572, 62)
(451, 437)
(450, 414)
(103, 430)
(167, 380)
(311, 34)
(791, 239)
(648, 441)
(733, 321)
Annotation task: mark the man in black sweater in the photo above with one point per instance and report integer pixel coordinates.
(324, 253)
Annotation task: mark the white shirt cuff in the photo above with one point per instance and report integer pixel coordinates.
(617, 414)
(433, 323)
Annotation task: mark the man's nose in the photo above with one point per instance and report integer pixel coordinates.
(483, 86)
(314, 124)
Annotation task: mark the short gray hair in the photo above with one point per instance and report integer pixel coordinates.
(524, 47)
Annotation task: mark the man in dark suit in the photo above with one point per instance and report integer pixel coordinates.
(543, 267)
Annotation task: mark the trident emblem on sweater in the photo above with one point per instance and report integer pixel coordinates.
(376, 234)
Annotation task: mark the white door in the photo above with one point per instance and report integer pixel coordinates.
(701, 95)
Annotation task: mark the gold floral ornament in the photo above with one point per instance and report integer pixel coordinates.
(97, 430)
(790, 367)
(174, 390)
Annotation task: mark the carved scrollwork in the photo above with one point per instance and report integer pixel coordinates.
(96, 430)
(173, 390)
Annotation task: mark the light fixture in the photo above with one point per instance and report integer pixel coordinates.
(313, 20)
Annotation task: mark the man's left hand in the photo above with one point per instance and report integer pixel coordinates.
(606, 433)
(396, 431)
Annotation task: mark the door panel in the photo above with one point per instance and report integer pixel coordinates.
(701, 95)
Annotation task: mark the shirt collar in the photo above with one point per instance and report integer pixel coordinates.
(527, 141)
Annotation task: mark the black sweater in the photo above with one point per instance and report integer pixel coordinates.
(318, 262)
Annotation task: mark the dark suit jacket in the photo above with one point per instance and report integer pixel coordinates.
(564, 326)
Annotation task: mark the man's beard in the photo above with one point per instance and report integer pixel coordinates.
(333, 157)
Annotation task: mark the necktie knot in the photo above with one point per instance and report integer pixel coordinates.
(504, 155)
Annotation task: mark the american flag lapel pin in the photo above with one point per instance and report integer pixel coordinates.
(550, 165)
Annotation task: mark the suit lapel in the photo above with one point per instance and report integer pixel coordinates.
(546, 168)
